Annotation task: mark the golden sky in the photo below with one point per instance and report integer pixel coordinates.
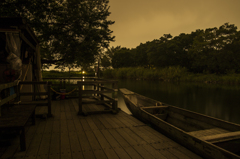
(139, 21)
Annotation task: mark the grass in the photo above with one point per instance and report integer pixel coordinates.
(170, 74)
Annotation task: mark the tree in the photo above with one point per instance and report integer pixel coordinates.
(105, 61)
(122, 58)
(160, 55)
(213, 50)
(111, 51)
(140, 55)
(70, 31)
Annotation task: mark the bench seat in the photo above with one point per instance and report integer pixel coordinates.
(15, 118)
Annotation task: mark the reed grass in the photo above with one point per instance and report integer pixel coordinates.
(175, 73)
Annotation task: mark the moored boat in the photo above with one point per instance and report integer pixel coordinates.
(207, 136)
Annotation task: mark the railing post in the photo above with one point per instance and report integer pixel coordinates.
(115, 103)
(49, 99)
(98, 84)
(34, 91)
(102, 89)
(61, 84)
(64, 83)
(94, 87)
(80, 112)
(113, 87)
(18, 92)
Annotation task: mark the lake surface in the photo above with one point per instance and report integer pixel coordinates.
(220, 101)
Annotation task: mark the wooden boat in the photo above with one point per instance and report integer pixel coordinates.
(207, 136)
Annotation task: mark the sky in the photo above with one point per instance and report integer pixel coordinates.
(139, 21)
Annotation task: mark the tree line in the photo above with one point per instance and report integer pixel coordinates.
(213, 50)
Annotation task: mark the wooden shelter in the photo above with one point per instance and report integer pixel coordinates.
(19, 53)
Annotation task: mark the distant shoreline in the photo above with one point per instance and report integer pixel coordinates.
(170, 74)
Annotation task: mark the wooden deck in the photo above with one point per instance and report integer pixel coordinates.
(67, 135)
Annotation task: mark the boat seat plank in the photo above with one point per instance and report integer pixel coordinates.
(193, 124)
(207, 132)
(222, 137)
(126, 91)
(154, 107)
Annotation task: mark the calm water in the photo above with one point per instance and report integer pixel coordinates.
(220, 101)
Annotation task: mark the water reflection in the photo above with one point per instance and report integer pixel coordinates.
(214, 100)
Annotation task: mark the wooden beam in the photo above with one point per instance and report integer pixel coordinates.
(33, 82)
(7, 85)
(9, 98)
(94, 92)
(32, 93)
(21, 35)
(27, 41)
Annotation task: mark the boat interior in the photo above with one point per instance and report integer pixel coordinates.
(226, 139)
(220, 133)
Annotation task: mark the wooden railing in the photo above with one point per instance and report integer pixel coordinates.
(17, 95)
(36, 92)
(8, 97)
(98, 90)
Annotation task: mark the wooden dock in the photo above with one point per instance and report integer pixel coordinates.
(67, 135)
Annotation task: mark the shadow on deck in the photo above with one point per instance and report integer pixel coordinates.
(67, 135)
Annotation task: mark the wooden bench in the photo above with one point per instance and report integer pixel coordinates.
(16, 118)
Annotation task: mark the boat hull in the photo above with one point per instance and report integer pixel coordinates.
(203, 148)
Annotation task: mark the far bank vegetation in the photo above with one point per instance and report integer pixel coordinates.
(210, 55)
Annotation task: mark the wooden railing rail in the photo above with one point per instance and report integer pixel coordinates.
(35, 93)
(17, 95)
(99, 90)
(10, 97)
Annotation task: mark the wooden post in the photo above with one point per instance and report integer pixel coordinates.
(18, 93)
(113, 87)
(33, 118)
(64, 83)
(22, 139)
(34, 91)
(102, 89)
(80, 112)
(49, 84)
(61, 84)
(94, 87)
(115, 103)
(98, 84)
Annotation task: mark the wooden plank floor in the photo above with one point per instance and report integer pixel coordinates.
(67, 135)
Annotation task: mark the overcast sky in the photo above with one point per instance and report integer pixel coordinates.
(139, 21)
